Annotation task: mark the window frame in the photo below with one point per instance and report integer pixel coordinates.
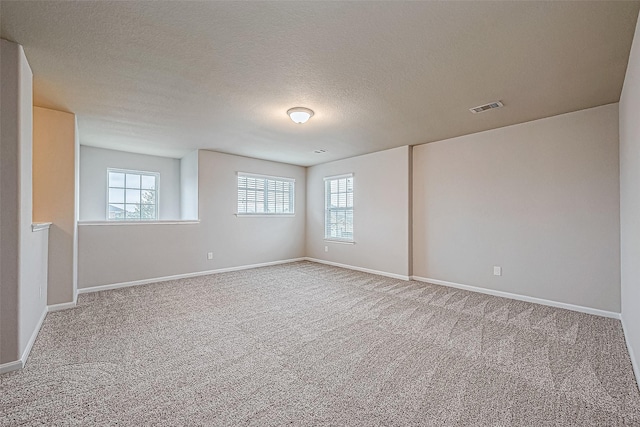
(328, 209)
(285, 180)
(136, 172)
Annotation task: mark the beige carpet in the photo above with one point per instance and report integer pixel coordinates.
(307, 344)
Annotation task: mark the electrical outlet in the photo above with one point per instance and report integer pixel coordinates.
(209, 255)
(497, 271)
(326, 248)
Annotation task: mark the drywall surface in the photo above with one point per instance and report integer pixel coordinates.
(539, 199)
(189, 186)
(380, 212)
(630, 202)
(23, 253)
(117, 253)
(9, 201)
(93, 180)
(54, 195)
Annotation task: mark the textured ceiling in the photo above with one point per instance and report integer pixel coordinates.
(168, 77)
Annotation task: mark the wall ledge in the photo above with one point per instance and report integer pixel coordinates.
(39, 226)
(118, 223)
(534, 300)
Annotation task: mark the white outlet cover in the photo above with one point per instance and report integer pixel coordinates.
(326, 248)
(497, 271)
(210, 255)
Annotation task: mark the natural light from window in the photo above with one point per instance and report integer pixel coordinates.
(338, 224)
(133, 195)
(265, 195)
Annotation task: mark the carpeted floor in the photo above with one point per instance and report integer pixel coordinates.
(307, 344)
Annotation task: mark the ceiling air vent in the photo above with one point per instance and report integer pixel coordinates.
(486, 107)
(320, 151)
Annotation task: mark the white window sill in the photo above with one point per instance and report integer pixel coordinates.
(168, 222)
(342, 242)
(39, 226)
(264, 215)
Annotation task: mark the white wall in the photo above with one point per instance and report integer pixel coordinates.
(54, 196)
(630, 202)
(93, 180)
(540, 199)
(189, 186)
(115, 253)
(381, 212)
(23, 253)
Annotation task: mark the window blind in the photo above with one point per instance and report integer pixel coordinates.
(265, 195)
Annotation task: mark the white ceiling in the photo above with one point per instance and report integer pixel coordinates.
(168, 77)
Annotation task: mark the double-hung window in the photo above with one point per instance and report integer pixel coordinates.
(132, 195)
(265, 195)
(338, 218)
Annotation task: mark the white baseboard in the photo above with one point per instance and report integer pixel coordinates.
(632, 356)
(19, 364)
(34, 335)
(518, 297)
(365, 270)
(182, 276)
(63, 306)
(10, 366)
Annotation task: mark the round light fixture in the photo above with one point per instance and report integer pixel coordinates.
(300, 114)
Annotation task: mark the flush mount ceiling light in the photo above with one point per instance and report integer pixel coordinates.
(300, 114)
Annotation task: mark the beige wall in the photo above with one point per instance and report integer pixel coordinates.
(54, 188)
(189, 186)
(630, 202)
(22, 253)
(539, 199)
(122, 253)
(381, 212)
(93, 180)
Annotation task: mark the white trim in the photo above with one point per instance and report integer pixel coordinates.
(182, 276)
(632, 356)
(257, 175)
(344, 175)
(550, 303)
(62, 306)
(10, 366)
(140, 222)
(20, 363)
(32, 340)
(39, 226)
(353, 267)
(263, 215)
(342, 242)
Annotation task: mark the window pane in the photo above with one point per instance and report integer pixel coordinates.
(148, 211)
(148, 196)
(116, 179)
(116, 195)
(133, 181)
(149, 182)
(350, 200)
(133, 196)
(342, 185)
(133, 211)
(116, 211)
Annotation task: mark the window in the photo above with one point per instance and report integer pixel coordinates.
(265, 195)
(132, 195)
(338, 219)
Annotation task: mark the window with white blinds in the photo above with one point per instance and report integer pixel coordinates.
(338, 219)
(265, 195)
